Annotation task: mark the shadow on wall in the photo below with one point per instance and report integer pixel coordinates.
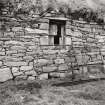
(71, 83)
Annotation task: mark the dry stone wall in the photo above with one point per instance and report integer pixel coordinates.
(27, 55)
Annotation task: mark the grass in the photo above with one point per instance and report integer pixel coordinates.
(43, 93)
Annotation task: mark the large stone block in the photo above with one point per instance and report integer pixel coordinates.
(79, 59)
(26, 68)
(17, 73)
(1, 43)
(13, 59)
(9, 63)
(44, 40)
(15, 29)
(41, 62)
(13, 43)
(29, 43)
(21, 51)
(28, 58)
(62, 75)
(2, 53)
(31, 78)
(69, 32)
(63, 67)
(50, 57)
(44, 26)
(19, 55)
(15, 69)
(77, 39)
(69, 59)
(5, 74)
(32, 73)
(43, 76)
(54, 74)
(85, 69)
(49, 68)
(68, 41)
(32, 47)
(18, 47)
(59, 61)
(21, 77)
(50, 51)
(11, 52)
(96, 68)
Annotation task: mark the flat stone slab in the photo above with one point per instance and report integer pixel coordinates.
(5, 74)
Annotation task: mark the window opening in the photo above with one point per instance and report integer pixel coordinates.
(57, 37)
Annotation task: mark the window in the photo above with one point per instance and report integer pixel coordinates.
(56, 32)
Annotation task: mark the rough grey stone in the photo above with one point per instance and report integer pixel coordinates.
(63, 51)
(21, 51)
(50, 51)
(63, 67)
(54, 74)
(29, 58)
(32, 47)
(44, 26)
(1, 42)
(9, 63)
(11, 52)
(26, 68)
(2, 53)
(13, 43)
(13, 58)
(31, 78)
(94, 69)
(62, 75)
(18, 47)
(32, 73)
(59, 61)
(68, 41)
(69, 59)
(15, 69)
(19, 55)
(44, 40)
(41, 62)
(69, 32)
(31, 63)
(21, 77)
(49, 68)
(1, 63)
(43, 76)
(17, 73)
(85, 69)
(5, 74)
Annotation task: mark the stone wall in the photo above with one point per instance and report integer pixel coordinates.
(23, 56)
(27, 55)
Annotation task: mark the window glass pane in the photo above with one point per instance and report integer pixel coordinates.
(53, 30)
